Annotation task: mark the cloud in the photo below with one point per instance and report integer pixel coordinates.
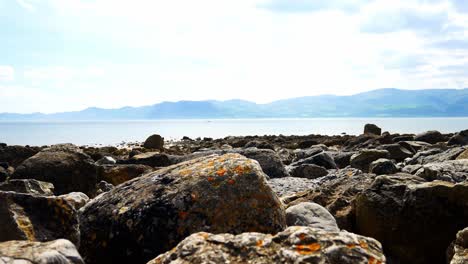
(7, 73)
(300, 6)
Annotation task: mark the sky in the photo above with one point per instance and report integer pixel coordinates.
(66, 55)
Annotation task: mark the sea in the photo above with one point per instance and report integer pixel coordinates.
(37, 133)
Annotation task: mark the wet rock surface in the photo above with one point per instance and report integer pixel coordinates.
(293, 245)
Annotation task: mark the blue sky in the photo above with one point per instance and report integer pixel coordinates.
(62, 55)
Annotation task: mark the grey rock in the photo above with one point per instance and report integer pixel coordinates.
(342, 158)
(312, 215)
(106, 161)
(397, 152)
(321, 159)
(451, 170)
(460, 248)
(310, 171)
(60, 251)
(383, 166)
(296, 244)
(75, 199)
(365, 157)
(287, 186)
(460, 138)
(435, 155)
(153, 159)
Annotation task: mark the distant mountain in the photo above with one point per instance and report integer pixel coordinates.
(377, 103)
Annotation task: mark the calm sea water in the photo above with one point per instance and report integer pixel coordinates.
(114, 132)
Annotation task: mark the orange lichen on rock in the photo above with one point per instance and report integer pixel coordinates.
(221, 172)
(239, 170)
(231, 182)
(259, 243)
(308, 249)
(210, 179)
(302, 236)
(363, 244)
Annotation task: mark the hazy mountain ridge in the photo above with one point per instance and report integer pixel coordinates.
(376, 103)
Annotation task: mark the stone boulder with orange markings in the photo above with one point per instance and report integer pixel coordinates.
(293, 245)
(148, 215)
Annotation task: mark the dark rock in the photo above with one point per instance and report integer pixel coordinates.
(259, 145)
(153, 159)
(342, 159)
(403, 138)
(154, 142)
(4, 165)
(372, 129)
(293, 245)
(67, 170)
(306, 153)
(286, 156)
(15, 155)
(120, 173)
(103, 187)
(414, 220)
(312, 215)
(60, 251)
(397, 152)
(430, 137)
(306, 143)
(133, 153)
(460, 138)
(310, 171)
(338, 196)
(37, 218)
(382, 166)
(28, 186)
(365, 157)
(435, 155)
(321, 159)
(3, 174)
(149, 215)
(415, 146)
(269, 161)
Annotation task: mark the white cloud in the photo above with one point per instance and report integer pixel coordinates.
(7, 73)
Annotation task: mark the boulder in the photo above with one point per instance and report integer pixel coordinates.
(37, 218)
(382, 166)
(342, 158)
(337, 196)
(28, 186)
(451, 171)
(312, 215)
(154, 142)
(15, 155)
(435, 155)
(120, 173)
(460, 248)
(430, 137)
(372, 129)
(60, 251)
(75, 199)
(306, 153)
(296, 244)
(460, 138)
(286, 156)
(414, 220)
(310, 171)
(322, 159)
(68, 170)
(150, 214)
(153, 159)
(259, 144)
(397, 152)
(106, 161)
(269, 161)
(287, 186)
(365, 157)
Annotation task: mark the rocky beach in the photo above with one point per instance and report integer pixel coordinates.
(377, 197)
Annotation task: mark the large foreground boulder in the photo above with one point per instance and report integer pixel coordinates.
(146, 216)
(293, 245)
(37, 218)
(59, 251)
(67, 169)
(414, 220)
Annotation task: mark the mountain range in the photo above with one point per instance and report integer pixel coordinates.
(387, 102)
